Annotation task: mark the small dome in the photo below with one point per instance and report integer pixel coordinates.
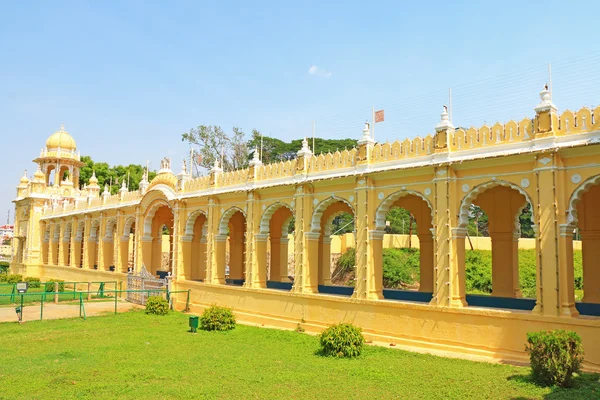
(39, 175)
(24, 178)
(93, 178)
(62, 139)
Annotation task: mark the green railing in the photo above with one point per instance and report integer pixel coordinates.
(18, 303)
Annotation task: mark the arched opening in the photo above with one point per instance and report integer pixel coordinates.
(194, 246)
(333, 220)
(56, 245)
(230, 247)
(403, 244)
(79, 244)
(110, 244)
(67, 245)
(157, 248)
(273, 246)
(45, 243)
(93, 248)
(51, 175)
(128, 243)
(497, 273)
(582, 235)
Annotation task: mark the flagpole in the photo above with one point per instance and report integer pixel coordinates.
(373, 124)
(550, 79)
(261, 147)
(450, 103)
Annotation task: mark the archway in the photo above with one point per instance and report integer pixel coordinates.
(272, 246)
(66, 239)
(157, 247)
(230, 245)
(46, 244)
(93, 245)
(407, 247)
(491, 266)
(333, 219)
(79, 242)
(582, 279)
(109, 246)
(129, 243)
(194, 245)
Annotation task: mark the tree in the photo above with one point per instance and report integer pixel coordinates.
(478, 222)
(113, 176)
(212, 142)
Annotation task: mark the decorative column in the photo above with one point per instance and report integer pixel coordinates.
(73, 244)
(212, 249)
(178, 227)
(306, 243)
(504, 270)
(275, 262)
(283, 259)
(190, 257)
(218, 261)
(256, 244)
(325, 256)
(567, 281)
(259, 267)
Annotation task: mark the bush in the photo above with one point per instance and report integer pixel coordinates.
(216, 318)
(14, 279)
(345, 267)
(400, 268)
(156, 305)
(49, 286)
(478, 271)
(342, 340)
(4, 267)
(554, 356)
(34, 282)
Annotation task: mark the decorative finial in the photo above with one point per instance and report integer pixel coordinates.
(366, 135)
(255, 159)
(546, 104)
(445, 108)
(62, 127)
(304, 151)
(444, 121)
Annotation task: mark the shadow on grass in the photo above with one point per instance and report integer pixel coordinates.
(583, 386)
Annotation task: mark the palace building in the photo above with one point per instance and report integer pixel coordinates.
(227, 238)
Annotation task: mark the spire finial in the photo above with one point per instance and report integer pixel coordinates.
(62, 127)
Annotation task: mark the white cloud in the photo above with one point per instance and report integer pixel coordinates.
(323, 73)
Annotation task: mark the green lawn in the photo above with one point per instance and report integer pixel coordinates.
(133, 355)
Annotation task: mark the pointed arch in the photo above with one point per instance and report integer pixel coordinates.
(315, 224)
(572, 217)
(111, 227)
(152, 208)
(189, 225)
(387, 203)
(94, 229)
(224, 223)
(463, 216)
(127, 228)
(268, 213)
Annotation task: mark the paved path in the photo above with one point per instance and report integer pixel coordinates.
(63, 310)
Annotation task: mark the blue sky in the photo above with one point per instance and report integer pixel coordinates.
(127, 78)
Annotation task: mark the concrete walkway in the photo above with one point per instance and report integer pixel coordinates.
(63, 310)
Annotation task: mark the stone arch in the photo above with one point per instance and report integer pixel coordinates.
(463, 216)
(268, 213)
(94, 229)
(315, 224)
(286, 224)
(67, 232)
(386, 205)
(80, 229)
(224, 223)
(152, 208)
(127, 228)
(111, 227)
(572, 217)
(189, 225)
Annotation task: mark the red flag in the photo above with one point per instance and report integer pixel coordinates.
(379, 117)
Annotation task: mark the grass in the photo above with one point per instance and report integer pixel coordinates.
(34, 295)
(133, 355)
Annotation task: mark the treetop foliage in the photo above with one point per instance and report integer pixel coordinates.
(112, 175)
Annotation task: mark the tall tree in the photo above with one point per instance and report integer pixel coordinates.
(212, 143)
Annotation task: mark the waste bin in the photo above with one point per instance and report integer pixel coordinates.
(193, 324)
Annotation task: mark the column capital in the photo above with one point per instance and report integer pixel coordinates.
(187, 238)
(220, 238)
(376, 234)
(261, 237)
(458, 233)
(312, 235)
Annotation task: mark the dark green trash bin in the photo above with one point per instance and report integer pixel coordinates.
(193, 324)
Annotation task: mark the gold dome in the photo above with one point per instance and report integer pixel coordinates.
(62, 139)
(39, 175)
(24, 178)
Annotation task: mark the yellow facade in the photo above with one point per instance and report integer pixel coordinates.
(550, 161)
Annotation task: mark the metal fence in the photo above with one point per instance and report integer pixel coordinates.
(73, 303)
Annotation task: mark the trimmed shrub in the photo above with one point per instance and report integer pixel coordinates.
(34, 282)
(156, 305)
(49, 286)
(4, 266)
(342, 340)
(554, 356)
(14, 278)
(216, 318)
